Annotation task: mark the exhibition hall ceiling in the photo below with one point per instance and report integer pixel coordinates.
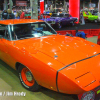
(90, 0)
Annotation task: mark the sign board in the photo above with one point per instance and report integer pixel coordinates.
(21, 3)
(92, 5)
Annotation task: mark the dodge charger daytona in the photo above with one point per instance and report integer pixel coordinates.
(42, 57)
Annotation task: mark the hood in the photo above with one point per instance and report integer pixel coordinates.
(67, 50)
(64, 49)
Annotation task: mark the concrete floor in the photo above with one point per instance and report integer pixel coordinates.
(10, 84)
(92, 39)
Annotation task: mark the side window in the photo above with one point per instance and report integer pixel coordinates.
(66, 15)
(7, 36)
(2, 30)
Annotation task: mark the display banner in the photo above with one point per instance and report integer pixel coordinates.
(74, 8)
(41, 6)
(21, 3)
(91, 95)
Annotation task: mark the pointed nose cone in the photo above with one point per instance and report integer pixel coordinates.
(80, 76)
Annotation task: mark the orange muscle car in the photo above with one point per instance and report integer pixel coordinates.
(42, 57)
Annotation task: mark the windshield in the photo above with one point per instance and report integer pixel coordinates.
(57, 15)
(30, 30)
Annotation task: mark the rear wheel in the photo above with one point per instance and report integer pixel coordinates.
(27, 79)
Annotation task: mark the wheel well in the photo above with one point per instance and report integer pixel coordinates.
(17, 65)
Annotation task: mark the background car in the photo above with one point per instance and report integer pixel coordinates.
(28, 16)
(89, 17)
(40, 16)
(94, 12)
(61, 19)
(57, 10)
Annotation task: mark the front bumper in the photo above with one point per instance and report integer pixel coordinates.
(90, 95)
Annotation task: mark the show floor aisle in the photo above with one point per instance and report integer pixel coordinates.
(93, 39)
(90, 25)
(9, 82)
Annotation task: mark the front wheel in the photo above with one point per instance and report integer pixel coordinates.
(26, 78)
(95, 20)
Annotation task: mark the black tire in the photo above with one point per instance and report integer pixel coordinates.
(95, 20)
(29, 85)
(86, 20)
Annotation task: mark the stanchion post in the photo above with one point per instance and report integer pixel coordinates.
(99, 7)
(34, 9)
(5, 7)
(10, 4)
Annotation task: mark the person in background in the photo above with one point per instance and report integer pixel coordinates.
(80, 33)
(4, 15)
(10, 14)
(17, 16)
(14, 12)
(22, 16)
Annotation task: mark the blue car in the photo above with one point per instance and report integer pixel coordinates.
(61, 19)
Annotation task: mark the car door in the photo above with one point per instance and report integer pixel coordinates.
(3, 41)
(64, 20)
(67, 18)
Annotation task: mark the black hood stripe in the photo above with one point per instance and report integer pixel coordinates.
(70, 65)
